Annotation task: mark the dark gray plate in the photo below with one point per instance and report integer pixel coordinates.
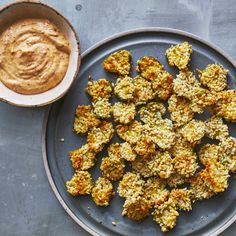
(208, 217)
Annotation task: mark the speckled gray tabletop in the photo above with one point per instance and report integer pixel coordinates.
(27, 203)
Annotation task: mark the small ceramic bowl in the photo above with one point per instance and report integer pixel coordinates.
(35, 9)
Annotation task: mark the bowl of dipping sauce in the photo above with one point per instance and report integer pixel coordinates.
(39, 54)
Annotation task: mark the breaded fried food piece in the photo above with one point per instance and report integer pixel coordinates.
(124, 88)
(185, 163)
(122, 150)
(80, 184)
(149, 67)
(215, 176)
(82, 158)
(85, 119)
(102, 192)
(179, 55)
(151, 112)
(143, 90)
(145, 146)
(131, 185)
(193, 131)
(161, 165)
(162, 133)
(203, 98)
(141, 165)
(99, 136)
(176, 180)
(181, 199)
(136, 208)
(112, 167)
(214, 77)
(124, 113)
(101, 88)
(180, 108)
(102, 108)
(200, 188)
(216, 129)
(186, 84)
(162, 85)
(181, 144)
(165, 215)
(227, 153)
(155, 191)
(118, 62)
(131, 133)
(225, 106)
(208, 153)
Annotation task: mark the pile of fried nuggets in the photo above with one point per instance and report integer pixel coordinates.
(160, 151)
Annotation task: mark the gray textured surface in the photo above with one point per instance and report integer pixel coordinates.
(27, 204)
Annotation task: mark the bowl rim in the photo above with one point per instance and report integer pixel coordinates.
(50, 177)
(18, 2)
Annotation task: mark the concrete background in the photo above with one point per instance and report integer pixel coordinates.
(27, 203)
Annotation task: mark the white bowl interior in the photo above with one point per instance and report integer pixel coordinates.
(24, 10)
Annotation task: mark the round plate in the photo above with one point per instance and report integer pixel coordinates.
(209, 217)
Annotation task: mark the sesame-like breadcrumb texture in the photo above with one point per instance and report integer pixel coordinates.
(179, 55)
(227, 150)
(143, 90)
(85, 119)
(124, 113)
(162, 85)
(214, 77)
(82, 158)
(200, 188)
(176, 180)
(161, 164)
(151, 112)
(141, 165)
(162, 133)
(99, 136)
(165, 215)
(101, 88)
(102, 108)
(112, 167)
(122, 150)
(80, 184)
(215, 128)
(193, 131)
(215, 175)
(182, 199)
(149, 67)
(225, 106)
(155, 191)
(118, 62)
(124, 88)
(136, 208)
(185, 163)
(181, 111)
(203, 98)
(208, 153)
(131, 133)
(102, 192)
(181, 144)
(186, 84)
(145, 146)
(131, 185)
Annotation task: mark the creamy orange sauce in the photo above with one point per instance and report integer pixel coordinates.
(34, 56)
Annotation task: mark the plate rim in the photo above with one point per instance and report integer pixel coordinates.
(84, 54)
